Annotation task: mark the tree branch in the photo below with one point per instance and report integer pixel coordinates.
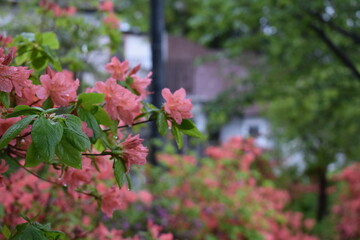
(353, 36)
(341, 55)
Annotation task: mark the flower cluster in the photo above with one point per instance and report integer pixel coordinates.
(110, 19)
(348, 207)
(56, 9)
(225, 199)
(68, 150)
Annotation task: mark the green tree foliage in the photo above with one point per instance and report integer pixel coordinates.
(307, 77)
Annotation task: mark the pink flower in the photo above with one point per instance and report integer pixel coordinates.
(70, 11)
(4, 41)
(102, 233)
(6, 123)
(117, 69)
(121, 104)
(106, 6)
(155, 232)
(176, 105)
(29, 96)
(145, 197)
(140, 84)
(88, 131)
(3, 168)
(111, 201)
(112, 21)
(60, 87)
(12, 77)
(134, 151)
(105, 167)
(75, 178)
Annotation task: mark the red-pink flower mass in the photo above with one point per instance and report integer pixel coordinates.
(106, 6)
(112, 200)
(134, 151)
(177, 105)
(60, 87)
(13, 78)
(120, 103)
(117, 69)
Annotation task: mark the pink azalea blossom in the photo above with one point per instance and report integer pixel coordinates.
(145, 197)
(103, 233)
(134, 151)
(106, 6)
(112, 21)
(177, 105)
(117, 69)
(121, 104)
(105, 167)
(111, 201)
(88, 131)
(12, 78)
(29, 96)
(4, 41)
(6, 123)
(75, 178)
(155, 232)
(3, 168)
(140, 84)
(60, 87)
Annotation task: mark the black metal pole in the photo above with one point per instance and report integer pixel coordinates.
(157, 50)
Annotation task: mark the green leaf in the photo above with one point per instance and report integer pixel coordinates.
(55, 235)
(99, 145)
(46, 134)
(91, 122)
(177, 135)
(103, 118)
(189, 128)
(28, 232)
(150, 108)
(14, 130)
(53, 58)
(74, 134)
(48, 103)
(5, 99)
(65, 110)
(32, 157)
(6, 232)
(24, 110)
(39, 63)
(68, 154)
(128, 181)
(49, 39)
(87, 100)
(161, 123)
(119, 172)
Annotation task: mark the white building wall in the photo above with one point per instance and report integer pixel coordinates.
(241, 127)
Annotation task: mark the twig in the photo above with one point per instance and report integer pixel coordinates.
(97, 154)
(128, 126)
(38, 176)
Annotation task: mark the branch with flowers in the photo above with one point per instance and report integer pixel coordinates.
(67, 139)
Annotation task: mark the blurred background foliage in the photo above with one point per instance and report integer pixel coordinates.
(306, 76)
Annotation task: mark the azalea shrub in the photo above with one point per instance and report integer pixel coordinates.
(82, 36)
(226, 195)
(346, 211)
(66, 156)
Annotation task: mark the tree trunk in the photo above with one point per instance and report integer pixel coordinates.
(322, 194)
